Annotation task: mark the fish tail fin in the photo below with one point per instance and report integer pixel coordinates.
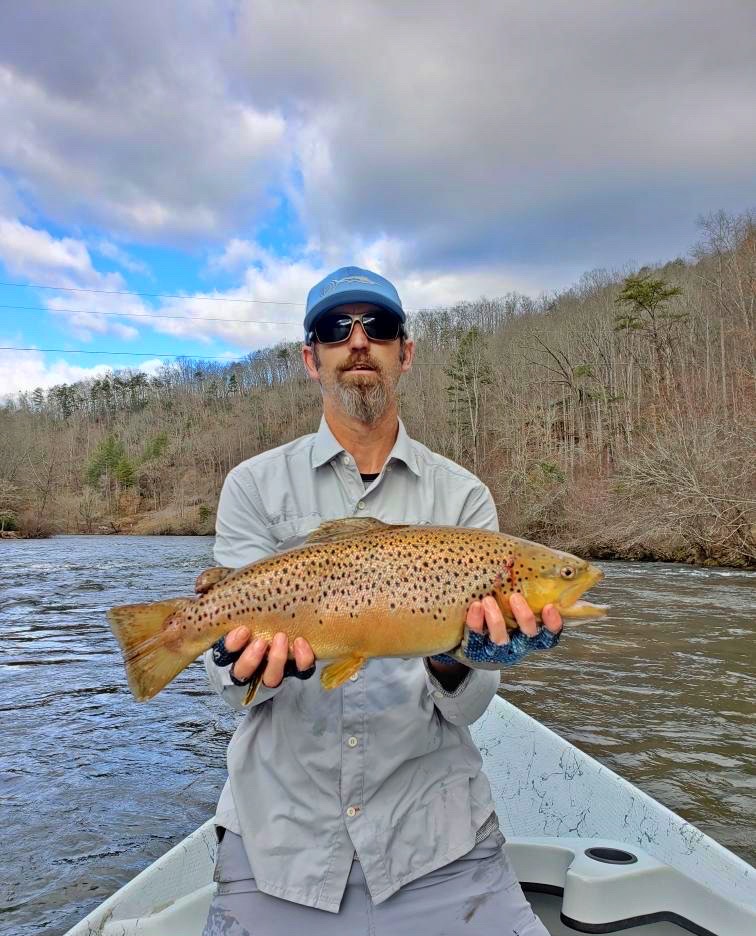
(151, 653)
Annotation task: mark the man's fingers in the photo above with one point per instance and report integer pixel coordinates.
(475, 617)
(525, 618)
(250, 659)
(303, 654)
(277, 656)
(552, 619)
(497, 626)
(236, 639)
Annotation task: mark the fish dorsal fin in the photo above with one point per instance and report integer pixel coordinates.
(210, 577)
(331, 531)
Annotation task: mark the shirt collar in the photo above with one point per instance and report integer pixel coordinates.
(326, 447)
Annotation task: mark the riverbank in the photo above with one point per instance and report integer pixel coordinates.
(630, 553)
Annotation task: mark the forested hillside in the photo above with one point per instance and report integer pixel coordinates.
(614, 419)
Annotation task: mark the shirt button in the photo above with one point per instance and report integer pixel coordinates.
(347, 460)
(388, 467)
(352, 742)
(361, 505)
(352, 811)
(354, 677)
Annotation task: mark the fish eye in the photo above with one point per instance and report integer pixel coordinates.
(567, 572)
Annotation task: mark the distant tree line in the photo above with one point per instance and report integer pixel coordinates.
(613, 419)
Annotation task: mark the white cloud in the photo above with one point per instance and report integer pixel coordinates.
(124, 116)
(492, 136)
(121, 257)
(28, 370)
(557, 132)
(25, 371)
(236, 254)
(34, 253)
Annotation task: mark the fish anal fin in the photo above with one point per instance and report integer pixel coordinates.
(332, 531)
(337, 673)
(210, 577)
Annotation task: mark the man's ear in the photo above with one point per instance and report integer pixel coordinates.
(409, 355)
(308, 358)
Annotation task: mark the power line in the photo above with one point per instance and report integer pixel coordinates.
(186, 318)
(125, 292)
(158, 354)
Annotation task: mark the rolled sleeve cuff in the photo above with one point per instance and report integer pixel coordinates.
(233, 695)
(465, 704)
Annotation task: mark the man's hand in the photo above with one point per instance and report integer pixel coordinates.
(485, 618)
(254, 653)
(486, 615)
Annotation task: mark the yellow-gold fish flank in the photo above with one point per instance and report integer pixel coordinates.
(358, 589)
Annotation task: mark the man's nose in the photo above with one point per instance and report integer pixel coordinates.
(358, 338)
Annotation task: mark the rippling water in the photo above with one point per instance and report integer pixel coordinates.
(93, 786)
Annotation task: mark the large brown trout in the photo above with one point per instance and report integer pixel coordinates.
(358, 588)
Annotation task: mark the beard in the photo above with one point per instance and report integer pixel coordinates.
(365, 399)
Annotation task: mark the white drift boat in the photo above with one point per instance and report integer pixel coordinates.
(593, 853)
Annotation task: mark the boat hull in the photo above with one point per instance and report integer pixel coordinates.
(566, 817)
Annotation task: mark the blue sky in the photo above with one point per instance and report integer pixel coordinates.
(234, 150)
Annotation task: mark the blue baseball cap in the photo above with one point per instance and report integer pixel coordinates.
(350, 284)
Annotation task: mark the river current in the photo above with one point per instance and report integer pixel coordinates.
(94, 786)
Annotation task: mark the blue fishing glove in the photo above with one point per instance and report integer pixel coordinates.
(223, 657)
(479, 648)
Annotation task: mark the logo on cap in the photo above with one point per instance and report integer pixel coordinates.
(334, 284)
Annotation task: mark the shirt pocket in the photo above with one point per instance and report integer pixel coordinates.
(437, 831)
(291, 533)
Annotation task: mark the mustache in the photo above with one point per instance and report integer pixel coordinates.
(360, 362)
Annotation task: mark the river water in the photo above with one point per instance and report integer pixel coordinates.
(94, 786)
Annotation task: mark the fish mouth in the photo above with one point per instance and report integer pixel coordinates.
(583, 611)
(570, 605)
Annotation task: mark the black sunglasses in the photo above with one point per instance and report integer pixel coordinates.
(379, 325)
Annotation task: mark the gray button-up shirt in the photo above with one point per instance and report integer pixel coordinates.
(383, 767)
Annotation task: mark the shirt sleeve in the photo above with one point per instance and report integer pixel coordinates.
(242, 532)
(466, 703)
(479, 510)
(241, 537)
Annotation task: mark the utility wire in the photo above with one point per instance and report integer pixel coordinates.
(124, 292)
(157, 354)
(186, 318)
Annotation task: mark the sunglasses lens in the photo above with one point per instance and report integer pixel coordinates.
(333, 328)
(381, 326)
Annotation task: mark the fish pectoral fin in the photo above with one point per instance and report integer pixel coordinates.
(253, 685)
(210, 577)
(339, 671)
(332, 531)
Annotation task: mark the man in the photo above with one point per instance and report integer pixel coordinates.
(362, 810)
